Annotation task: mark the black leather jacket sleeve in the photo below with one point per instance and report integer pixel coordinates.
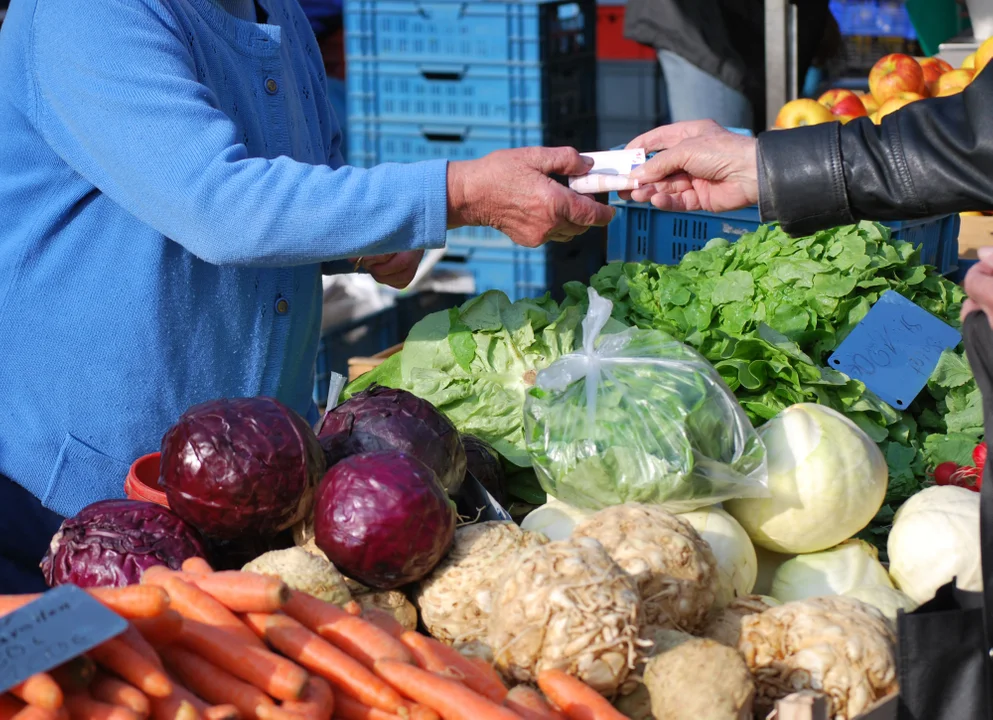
(932, 157)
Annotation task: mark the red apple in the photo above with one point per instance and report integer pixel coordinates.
(843, 104)
(897, 102)
(797, 113)
(953, 82)
(893, 74)
(933, 69)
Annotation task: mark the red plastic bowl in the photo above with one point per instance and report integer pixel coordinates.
(142, 482)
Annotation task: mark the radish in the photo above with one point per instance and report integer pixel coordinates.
(979, 455)
(944, 472)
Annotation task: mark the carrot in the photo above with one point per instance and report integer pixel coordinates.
(39, 690)
(214, 684)
(82, 706)
(531, 704)
(76, 674)
(347, 708)
(161, 630)
(439, 658)
(112, 691)
(277, 712)
(134, 601)
(244, 591)
(361, 639)
(422, 712)
(316, 703)
(384, 621)
(275, 675)
(194, 604)
(449, 698)
(196, 566)
(33, 712)
(352, 608)
(122, 659)
(9, 706)
(256, 622)
(322, 658)
(575, 698)
(174, 707)
(221, 712)
(486, 668)
(141, 646)
(10, 603)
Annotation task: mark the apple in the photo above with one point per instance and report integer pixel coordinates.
(897, 102)
(953, 82)
(798, 113)
(894, 74)
(970, 62)
(843, 104)
(984, 54)
(933, 69)
(870, 103)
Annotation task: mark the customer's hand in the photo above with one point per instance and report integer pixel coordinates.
(511, 190)
(979, 286)
(393, 269)
(698, 166)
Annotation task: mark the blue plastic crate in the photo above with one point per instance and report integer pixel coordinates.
(371, 142)
(530, 94)
(358, 338)
(445, 31)
(496, 263)
(642, 232)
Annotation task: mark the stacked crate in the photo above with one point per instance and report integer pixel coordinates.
(457, 80)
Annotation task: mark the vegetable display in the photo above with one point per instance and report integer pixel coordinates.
(111, 543)
(242, 467)
(768, 309)
(737, 564)
(851, 565)
(638, 417)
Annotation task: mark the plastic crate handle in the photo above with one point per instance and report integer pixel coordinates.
(444, 73)
(444, 133)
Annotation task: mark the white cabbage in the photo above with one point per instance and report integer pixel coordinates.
(935, 538)
(555, 520)
(827, 480)
(887, 600)
(853, 564)
(737, 566)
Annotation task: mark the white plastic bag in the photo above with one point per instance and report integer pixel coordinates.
(639, 417)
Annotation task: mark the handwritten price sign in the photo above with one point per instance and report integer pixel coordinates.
(60, 625)
(895, 349)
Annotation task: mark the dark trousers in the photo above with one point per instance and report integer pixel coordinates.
(26, 529)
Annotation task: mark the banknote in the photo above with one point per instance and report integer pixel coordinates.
(597, 183)
(609, 172)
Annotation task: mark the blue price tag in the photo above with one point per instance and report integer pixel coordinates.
(895, 349)
(60, 625)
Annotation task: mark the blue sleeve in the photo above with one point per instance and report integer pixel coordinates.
(116, 96)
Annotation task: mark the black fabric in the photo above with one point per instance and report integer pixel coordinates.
(944, 656)
(725, 38)
(933, 157)
(26, 529)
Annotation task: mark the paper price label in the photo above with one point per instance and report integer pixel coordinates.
(62, 624)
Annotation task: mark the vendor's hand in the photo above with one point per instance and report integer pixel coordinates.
(698, 166)
(979, 286)
(393, 269)
(511, 190)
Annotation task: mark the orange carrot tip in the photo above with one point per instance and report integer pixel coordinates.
(134, 601)
(39, 690)
(197, 566)
(575, 698)
(244, 591)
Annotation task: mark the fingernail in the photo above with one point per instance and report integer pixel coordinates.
(588, 161)
(985, 253)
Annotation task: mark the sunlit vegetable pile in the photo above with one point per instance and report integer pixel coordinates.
(709, 519)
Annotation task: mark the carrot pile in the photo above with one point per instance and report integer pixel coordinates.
(205, 645)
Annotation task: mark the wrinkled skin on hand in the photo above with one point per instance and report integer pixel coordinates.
(698, 166)
(511, 190)
(394, 269)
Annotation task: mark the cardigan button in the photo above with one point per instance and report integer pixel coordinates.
(271, 86)
(282, 306)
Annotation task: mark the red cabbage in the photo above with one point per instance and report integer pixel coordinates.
(383, 519)
(112, 542)
(485, 465)
(233, 468)
(381, 418)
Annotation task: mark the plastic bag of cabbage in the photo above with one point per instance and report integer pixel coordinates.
(639, 417)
